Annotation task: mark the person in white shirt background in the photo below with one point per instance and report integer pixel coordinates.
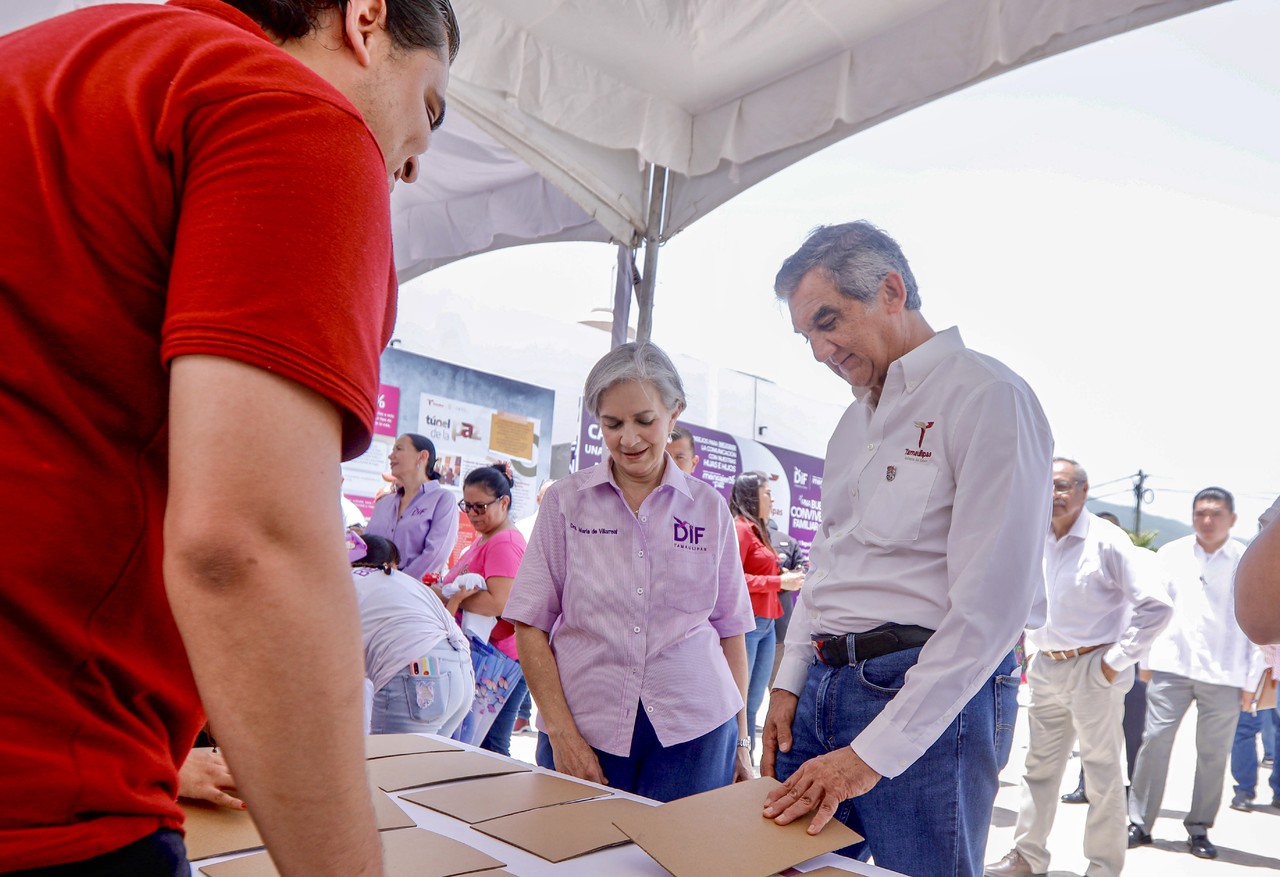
(1202, 656)
(1105, 603)
(934, 507)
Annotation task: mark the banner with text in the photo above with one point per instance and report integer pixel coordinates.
(473, 418)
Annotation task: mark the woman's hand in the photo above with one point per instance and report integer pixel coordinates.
(204, 777)
(574, 757)
(791, 581)
(742, 768)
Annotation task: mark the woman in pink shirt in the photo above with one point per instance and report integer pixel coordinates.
(495, 557)
(630, 606)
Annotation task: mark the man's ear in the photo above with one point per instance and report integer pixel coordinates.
(893, 292)
(363, 19)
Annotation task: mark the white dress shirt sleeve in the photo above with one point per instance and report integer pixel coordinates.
(1147, 592)
(995, 545)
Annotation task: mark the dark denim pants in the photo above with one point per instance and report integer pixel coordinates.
(932, 819)
(664, 773)
(160, 854)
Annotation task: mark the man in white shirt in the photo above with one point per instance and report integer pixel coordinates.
(1202, 656)
(898, 661)
(1105, 603)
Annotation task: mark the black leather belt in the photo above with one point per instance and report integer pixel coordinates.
(837, 650)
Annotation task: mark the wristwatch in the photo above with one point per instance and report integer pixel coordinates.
(744, 743)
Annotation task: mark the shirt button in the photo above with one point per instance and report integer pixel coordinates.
(640, 553)
(871, 446)
(639, 590)
(648, 709)
(635, 630)
(644, 519)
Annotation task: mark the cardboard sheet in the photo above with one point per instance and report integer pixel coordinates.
(490, 797)
(408, 852)
(568, 830)
(386, 745)
(216, 831)
(722, 832)
(408, 771)
(828, 871)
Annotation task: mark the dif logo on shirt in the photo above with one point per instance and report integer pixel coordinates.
(687, 533)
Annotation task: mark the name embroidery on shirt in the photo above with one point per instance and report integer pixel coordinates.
(593, 531)
(919, 454)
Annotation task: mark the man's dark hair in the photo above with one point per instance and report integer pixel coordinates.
(679, 432)
(855, 256)
(412, 24)
(1216, 493)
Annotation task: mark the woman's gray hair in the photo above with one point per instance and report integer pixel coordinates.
(855, 256)
(634, 362)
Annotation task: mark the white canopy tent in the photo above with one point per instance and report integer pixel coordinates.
(571, 108)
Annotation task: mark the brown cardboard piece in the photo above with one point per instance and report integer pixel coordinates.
(216, 831)
(563, 832)
(408, 771)
(407, 852)
(828, 871)
(491, 797)
(723, 832)
(386, 745)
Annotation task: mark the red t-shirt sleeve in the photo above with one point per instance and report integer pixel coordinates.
(282, 258)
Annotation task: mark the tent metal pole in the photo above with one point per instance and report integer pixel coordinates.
(653, 234)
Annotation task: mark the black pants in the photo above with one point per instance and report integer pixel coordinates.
(157, 855)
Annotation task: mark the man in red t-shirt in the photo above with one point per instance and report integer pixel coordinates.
(196, 281)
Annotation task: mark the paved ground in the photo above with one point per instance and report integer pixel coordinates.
(1249, 842)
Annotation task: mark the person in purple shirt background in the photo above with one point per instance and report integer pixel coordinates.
(420, 515)
(630, 605)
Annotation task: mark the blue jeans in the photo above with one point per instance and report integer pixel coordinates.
(664, 773)
(1244, 752)
(499, 737)
(761, 645)
(434, 704)
(160, 854)
(932, 819)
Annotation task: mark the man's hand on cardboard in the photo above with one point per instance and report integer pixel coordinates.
(204, 776)
(821, 783)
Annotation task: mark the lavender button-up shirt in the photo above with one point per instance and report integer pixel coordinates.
(636, 605)
(424, 534)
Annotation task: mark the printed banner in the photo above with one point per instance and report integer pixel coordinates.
(473, 418)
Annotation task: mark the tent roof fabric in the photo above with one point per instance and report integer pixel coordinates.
(567, 102)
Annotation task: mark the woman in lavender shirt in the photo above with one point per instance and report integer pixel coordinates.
(419, 516)
(630, 604)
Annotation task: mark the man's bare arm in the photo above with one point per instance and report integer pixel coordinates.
(1258, 587)
(257, 578)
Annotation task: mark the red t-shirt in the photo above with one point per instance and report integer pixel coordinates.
(499, 555)
(760, 565)
(171, 183)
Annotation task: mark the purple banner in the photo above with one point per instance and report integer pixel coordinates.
(795, 478)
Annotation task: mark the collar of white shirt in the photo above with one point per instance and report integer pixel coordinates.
(919, 363)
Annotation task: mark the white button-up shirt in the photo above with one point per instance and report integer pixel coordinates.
(1204, 642)
(1100, 588)
(934, 505)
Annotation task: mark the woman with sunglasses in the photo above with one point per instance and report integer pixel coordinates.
(494, 556)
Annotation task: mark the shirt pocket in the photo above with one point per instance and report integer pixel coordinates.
(897, 507)
(689, 585)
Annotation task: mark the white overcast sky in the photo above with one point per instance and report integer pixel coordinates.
(1107, 222)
